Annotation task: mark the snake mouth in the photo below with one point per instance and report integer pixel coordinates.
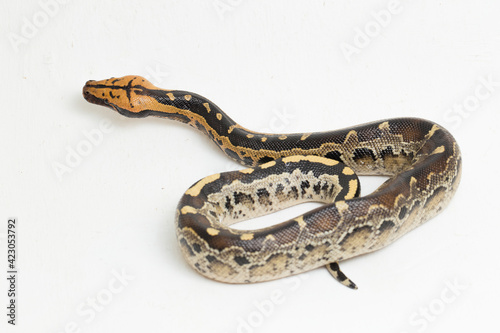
(90, 97)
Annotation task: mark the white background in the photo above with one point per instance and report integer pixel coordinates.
(281, 66)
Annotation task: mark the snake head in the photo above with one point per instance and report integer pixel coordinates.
(131, 96)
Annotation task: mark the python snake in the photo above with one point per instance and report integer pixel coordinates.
(422, 159)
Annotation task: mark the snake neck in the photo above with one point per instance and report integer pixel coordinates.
(135, 97)
(245, 146)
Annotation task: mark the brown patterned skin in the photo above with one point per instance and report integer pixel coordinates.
(422, 159)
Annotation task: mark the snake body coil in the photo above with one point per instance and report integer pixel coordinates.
(422, 159)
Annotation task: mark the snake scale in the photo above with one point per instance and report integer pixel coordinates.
(421, 158)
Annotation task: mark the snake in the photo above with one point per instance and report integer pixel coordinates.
(421, 159)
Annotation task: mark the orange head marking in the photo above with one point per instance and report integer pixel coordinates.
(129, 95)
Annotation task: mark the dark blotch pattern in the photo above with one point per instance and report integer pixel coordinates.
(387, 224)
(243, 198)
(197, 247)
(334, 155)
(185, 245)
(280, 188)
(304, 185)
(228, 205)
(265, 159)
(361, 153)
(402, 212)
(263, 196)
(317, 188)
(241, 260)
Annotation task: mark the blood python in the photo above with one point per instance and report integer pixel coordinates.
(421, 158)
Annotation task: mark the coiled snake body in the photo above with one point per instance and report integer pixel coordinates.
(422, 159)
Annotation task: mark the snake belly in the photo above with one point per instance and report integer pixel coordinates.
(421, 158)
